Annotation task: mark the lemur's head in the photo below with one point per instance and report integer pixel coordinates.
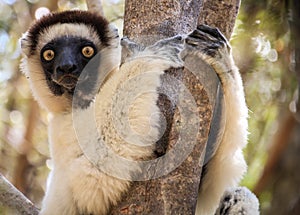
(56, 49)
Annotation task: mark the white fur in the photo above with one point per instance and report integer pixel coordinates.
(32, 68)
(121, 130)
(76, 186)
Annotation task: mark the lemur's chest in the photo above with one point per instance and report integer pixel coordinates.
(63, 143)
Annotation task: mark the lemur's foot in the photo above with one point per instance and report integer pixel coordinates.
(238, 200)
(211, 46)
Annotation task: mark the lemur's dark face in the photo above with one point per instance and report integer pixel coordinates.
(57, 50)
(63, 60)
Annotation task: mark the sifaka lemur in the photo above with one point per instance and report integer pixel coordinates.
(58, 47)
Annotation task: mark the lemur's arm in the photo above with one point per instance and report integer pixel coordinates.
(227, 165)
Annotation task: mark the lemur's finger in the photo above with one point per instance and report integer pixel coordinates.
(201, 35)
(215, 32)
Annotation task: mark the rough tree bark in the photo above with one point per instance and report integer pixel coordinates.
(176, 192)
(221, 14)
(14, 199)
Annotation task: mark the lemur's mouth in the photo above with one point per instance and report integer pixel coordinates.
(67, 81)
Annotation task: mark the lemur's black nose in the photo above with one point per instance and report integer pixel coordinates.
(66, 68)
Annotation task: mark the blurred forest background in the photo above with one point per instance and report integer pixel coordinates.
(264, 52)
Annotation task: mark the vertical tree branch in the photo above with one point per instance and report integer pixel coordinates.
(221, 14)
(153, 20)
(175, 193)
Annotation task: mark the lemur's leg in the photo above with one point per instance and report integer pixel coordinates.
(238, 201)
(58, 199)
(227, 166)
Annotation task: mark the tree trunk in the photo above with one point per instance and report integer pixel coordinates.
(212, 13)
(177, 191)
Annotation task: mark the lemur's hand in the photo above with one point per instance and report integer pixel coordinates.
(129, 48)
(169, 48)
(211, 46)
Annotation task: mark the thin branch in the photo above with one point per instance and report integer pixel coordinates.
(13, 198)
(95, 6)
(177, 191)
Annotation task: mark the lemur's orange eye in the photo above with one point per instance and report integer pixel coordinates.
(88, 51)
(48, 54)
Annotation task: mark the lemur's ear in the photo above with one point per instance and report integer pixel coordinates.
(113, 35)
(25, 45)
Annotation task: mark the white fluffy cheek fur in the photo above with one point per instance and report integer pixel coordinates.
(33, 70)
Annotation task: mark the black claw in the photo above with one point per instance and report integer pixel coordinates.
(209, 30)
(210, 52)
(207, 40)
(192, 41)
(199, 35)
(178, 37)
(215, 45)
(215, 32)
